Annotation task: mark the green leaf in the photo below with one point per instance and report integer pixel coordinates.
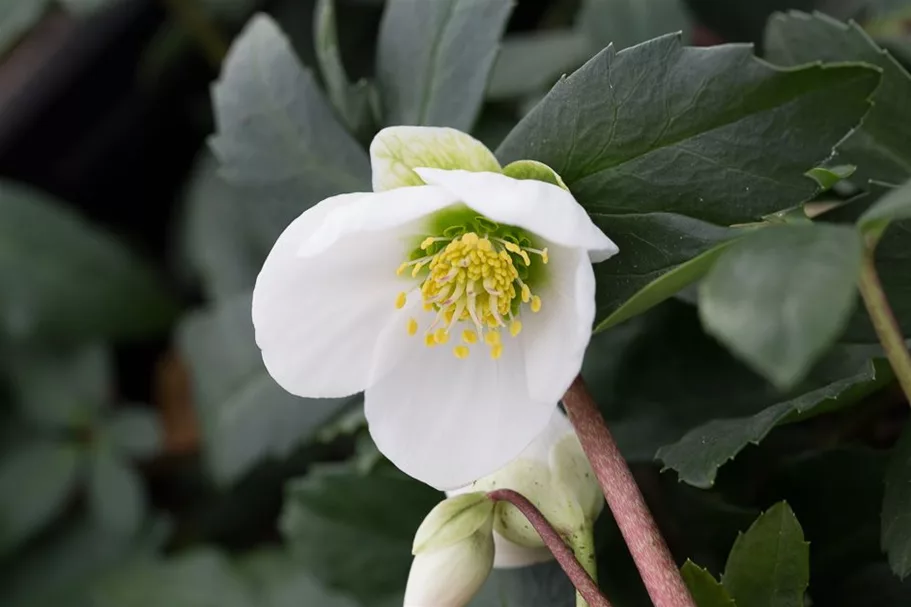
(701, 452)
(276, 135)
(135, 432)
(62, 387)
(219, 244)
(880, 146)
(532, 63)
(828, 177)
(894, 205)
(246, 417)
(202, 577)
(61, 277)
(532, 169)
(18, 17)
(896, 516)
(624, 23)
(649, 269)
(769, 564)
(353, 531)
(763, 297)
(434, 59)
(352, 102)
(35, 482)
(116, 496)
(663, 128)
(281, 581)
(706, 590)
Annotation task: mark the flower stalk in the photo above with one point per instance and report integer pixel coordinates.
(653, 559)
(580, 578)
(887, 329)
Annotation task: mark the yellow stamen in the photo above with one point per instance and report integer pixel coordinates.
(535, 304)
(402, 269)
(461, 352)
(496, 352)
(441, 336)
(400, 300)
(526, 293)
(515, 327)
(469, 336)
(429, 341)
(544, 256)
(525, 257)
(412, 326)
(427, 243)
(492, 338)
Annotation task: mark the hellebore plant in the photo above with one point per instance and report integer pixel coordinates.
(458, 295)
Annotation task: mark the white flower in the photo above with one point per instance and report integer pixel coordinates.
(554, 474)
(453, 553)
(458, 295)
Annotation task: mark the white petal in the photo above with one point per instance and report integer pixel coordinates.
(395, 151)
(555, 338)
(445, 421)
(557, 428)
(543, 209)
(329, 286)
(372, 212)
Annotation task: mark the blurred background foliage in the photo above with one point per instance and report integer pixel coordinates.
(147, 458)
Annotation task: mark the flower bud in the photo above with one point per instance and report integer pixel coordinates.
(554, 474)
(453, 551)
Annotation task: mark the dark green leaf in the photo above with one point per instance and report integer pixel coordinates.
(702, 451)
(62, 277)
(35, 482)
(201, 578)
(661, 127)
(894, 205)
(532, 63)
(281, 581)
(277, 137)
(661, 253)
(115, 492)
(871, 586)
(18, 17)
(769, 564)
(135, 432)
(706, 590)
(352, 102)
(896, 518)
(881, 146)
(782, 295)
(220, 245)
(434, 59)
(624, 23)
(63, 387)
(246, 417)
(353, 531)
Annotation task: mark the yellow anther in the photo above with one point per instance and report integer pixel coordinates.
(417, 268)
(427, 243)
(461, 352)
(441, 336)
(400, 300)
(469, 336)
(402, 268)
(484, 245)
(525, 257)
(515, 327)
(544, 256)
(429, 341)
(526, 293)
(511, 246)
(496, 351)
(535, 304)
(428, 307)
(470, 239)
(492, 338)
(412, 326)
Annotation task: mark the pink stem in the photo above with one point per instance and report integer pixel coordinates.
(662, 579)
(563, 553)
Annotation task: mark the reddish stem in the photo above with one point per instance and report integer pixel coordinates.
(563, 553)
(659, 572)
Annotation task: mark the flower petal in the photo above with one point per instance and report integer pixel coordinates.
(555, 338)
(329, 286)
(396, 150)
(446, 421)
(543, 209)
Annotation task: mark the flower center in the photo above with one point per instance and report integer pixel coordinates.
(472, 279)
